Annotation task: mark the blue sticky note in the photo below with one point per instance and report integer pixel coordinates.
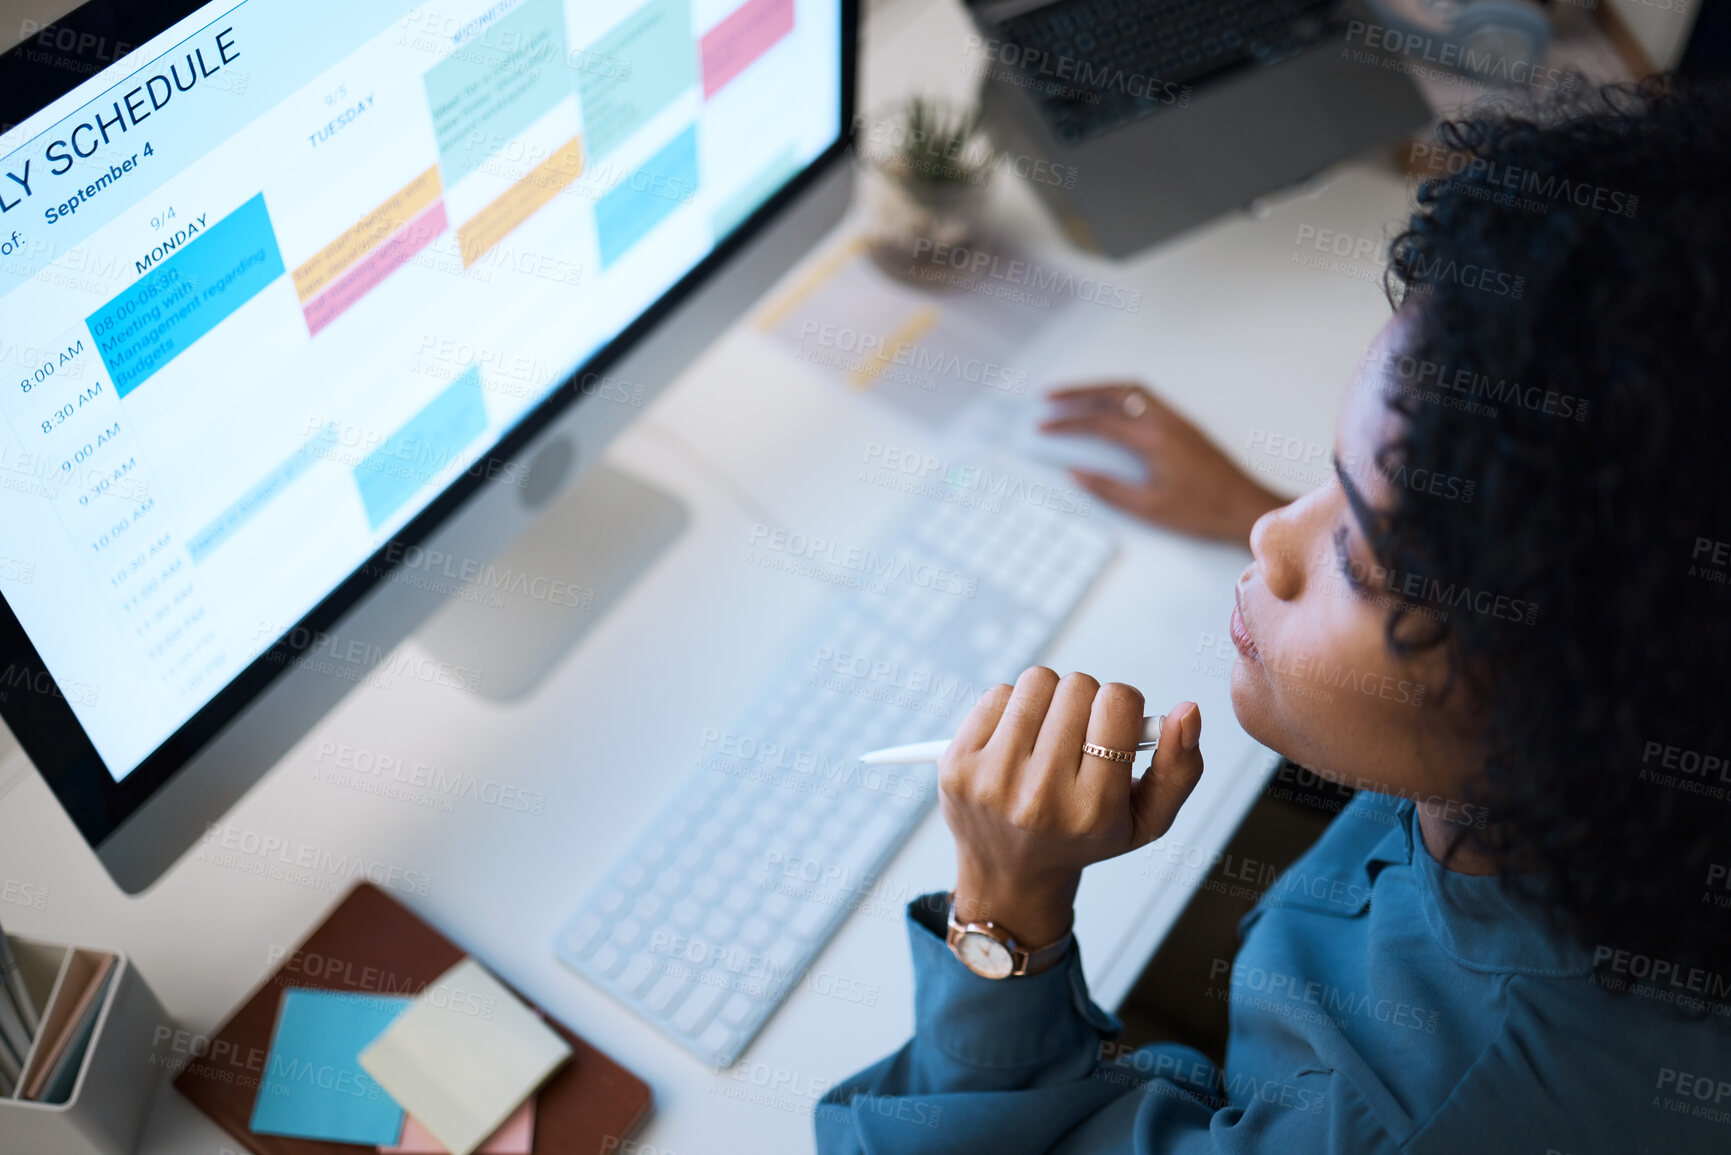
(647, 197)
(414, 454)
(314, 1086)
(161, 314)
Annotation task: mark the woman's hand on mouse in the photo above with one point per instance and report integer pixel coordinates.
(1191, 487)
(1029, 809)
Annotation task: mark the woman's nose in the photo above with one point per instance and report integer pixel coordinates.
(1275, 546)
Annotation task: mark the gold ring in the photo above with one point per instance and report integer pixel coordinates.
(1108, 753)
(1135, 403)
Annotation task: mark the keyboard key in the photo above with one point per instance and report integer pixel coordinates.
(1056, 599)
(648, 909)
(696, 1010)
(638, 971)
(855, 861)
(986, 636)
(718, 926)
(782, 955)
(756, 932)
(664, 996)
(809, 919)
(718, 1040)
(737, 1010)
(738, 960)
(611, 902)
(607, 960)
(740, 899)
(686, 913)
(628, 934)
(584, 935)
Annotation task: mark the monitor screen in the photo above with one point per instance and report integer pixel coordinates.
(277, 278)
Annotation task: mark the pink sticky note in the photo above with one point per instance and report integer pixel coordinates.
(366, 276)
(731, 46)
(515, 1136)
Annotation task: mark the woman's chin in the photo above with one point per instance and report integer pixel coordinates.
(1249, 699)
(1253, 704)
(1260, 711)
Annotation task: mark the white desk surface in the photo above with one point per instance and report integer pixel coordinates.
(1236, 332)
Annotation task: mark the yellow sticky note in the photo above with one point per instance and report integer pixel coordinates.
(464, 1056)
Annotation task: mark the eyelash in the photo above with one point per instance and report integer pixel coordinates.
(1344, 559)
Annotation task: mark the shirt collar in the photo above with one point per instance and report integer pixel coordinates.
(1337, 875)
(1479, 924)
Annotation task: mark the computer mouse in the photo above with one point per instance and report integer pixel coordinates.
(1072, 450)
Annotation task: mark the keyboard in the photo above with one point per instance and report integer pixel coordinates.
(720, 906)
(1097, 64)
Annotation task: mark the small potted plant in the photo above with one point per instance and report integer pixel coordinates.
(934, 163)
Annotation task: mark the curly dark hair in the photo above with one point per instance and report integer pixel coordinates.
(1570, 272)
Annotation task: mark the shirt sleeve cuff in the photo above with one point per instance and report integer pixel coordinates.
(1019, 1022)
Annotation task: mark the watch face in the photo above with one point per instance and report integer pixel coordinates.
(984, 955)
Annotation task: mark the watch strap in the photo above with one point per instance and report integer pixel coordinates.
(1035, 961)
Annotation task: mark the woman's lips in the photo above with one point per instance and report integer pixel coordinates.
(1240, 632)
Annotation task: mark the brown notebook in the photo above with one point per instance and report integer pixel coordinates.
(373, 944)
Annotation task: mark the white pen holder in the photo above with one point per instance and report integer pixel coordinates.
(115, 1077)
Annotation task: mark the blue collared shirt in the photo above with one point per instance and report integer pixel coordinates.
(1380, 1003)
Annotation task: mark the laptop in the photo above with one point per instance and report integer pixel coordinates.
(1155, 116)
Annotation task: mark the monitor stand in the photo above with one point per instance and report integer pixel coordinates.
(516, 617)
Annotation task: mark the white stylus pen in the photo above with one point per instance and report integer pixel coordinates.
(932, 751)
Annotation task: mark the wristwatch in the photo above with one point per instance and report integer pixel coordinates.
(988, 950)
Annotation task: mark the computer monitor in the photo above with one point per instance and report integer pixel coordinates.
(288, 289)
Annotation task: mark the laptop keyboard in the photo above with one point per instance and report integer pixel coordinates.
(1094, 65)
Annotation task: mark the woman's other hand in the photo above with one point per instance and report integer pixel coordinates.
(1192, 486)
(1029, 809)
